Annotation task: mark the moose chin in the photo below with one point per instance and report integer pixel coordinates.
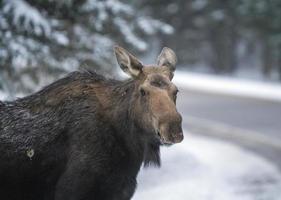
(85, 137)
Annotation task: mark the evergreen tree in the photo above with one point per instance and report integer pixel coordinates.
(43, 39)
(264, 18)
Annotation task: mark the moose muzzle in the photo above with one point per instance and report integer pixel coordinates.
(170, 132)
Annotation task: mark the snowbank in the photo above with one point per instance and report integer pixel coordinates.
(203, 169)
(3, 96)
(229, 86)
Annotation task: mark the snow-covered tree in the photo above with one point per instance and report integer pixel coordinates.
(43, 39)
(264, 18)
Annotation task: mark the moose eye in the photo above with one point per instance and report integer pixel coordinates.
(157, 83)
(142, 92)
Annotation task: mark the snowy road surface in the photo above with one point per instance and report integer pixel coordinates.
(204, 169)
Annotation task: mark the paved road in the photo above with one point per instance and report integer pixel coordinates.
(245, 113)
(251, 123)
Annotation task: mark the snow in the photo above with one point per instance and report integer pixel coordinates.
(60, 38)
(152, 26)
(34, 40)
(204, 169)
(229, 86)
(32, 19)
(199, 4)
(99, 46)
(114, 6)
(218, 15)
(129, 35)
(118, 7)
(3, 95)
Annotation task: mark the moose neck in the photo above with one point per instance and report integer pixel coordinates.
(120, 108)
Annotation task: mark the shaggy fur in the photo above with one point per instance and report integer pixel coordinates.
(79, 138)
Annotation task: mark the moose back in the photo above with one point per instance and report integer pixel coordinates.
(85, 136)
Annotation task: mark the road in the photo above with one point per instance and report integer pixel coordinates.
(252, 115)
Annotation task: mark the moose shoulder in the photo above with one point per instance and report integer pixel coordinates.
(86, 137)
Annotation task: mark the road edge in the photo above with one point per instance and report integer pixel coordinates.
(251, 140)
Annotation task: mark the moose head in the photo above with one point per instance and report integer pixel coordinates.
(155, 94)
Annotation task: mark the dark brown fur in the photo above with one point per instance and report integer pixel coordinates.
(85, 137)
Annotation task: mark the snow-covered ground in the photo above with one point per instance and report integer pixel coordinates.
(229, 86)
(205, 169)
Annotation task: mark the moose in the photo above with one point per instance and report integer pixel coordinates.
(85, 137)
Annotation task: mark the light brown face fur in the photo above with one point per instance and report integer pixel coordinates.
(161, 95)
(156, 94)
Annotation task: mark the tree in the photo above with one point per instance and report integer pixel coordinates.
(201, 25)
(42, 39)
(264, 17)
(215, 34)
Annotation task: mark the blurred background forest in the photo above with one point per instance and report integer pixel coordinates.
(232, 126)
(41, 40)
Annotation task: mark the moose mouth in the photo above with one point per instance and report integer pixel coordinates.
(177, 138)
(162, 139)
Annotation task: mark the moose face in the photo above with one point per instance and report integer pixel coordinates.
(155, 94)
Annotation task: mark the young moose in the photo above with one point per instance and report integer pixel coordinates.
(85, 137)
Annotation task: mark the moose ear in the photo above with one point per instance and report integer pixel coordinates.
(167, 58)
(128, 63)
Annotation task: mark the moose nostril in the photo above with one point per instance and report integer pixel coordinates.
(175, 127)
(142, 92)
(178, 137)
